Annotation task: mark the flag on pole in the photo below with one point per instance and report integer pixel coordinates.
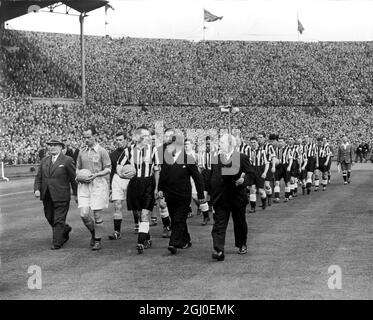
(300, 27)
(209, 17)
(107, 7)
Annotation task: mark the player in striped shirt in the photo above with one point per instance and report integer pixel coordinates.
(325, 141)
(205, 156)
(142, 188)
(324, 155)
(270, 153)
(260, 163)
(312, 160)
(283, 170)
(294, 171)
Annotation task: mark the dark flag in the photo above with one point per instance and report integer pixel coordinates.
(300, 27)
(107, 7)
(209, 17)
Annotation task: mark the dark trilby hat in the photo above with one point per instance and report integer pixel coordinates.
(55, 140)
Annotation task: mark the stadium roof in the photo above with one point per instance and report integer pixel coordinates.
(10, 9)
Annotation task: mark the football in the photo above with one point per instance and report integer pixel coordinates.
(127, 171)
(83, 175)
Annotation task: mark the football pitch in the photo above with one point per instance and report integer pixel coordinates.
(291, 248)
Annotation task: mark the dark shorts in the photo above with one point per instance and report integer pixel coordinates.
(322, 167)
(140, 194)
(282, 173)
(311, 164)
(295, 169)
(255, 177)
(270, 175)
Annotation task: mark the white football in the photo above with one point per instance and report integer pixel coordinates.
(127, 171)
(83, 175)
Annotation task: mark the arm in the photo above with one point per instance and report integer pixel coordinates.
(71, 172)
(266, 165)
(37, 181)
(198, 180)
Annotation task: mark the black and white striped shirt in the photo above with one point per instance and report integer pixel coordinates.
(323, 151)
(204, 159)
(258, 157)
(244, 149)
(269, 151)
(310, 150)
(284, 154)
(144, 159)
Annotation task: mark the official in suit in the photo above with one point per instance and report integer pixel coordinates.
(345, 159)
(175, 186)
(55, 176)
(230, 176)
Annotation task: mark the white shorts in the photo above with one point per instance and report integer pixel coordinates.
(119, 188)
(94, 195)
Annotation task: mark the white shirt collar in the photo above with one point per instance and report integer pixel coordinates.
(54, 157)
(177, 155)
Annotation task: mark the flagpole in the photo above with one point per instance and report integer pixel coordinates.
(204, 27)
(297, 26)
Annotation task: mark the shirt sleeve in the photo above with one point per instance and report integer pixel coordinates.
(105, 159)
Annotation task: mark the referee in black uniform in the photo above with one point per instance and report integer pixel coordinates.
(175, 186)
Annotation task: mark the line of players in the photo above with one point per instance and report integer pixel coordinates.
(299, 163)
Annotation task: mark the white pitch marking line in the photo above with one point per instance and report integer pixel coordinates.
(11, 194)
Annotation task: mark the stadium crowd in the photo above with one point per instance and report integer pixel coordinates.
(178, 72)
(287, 88)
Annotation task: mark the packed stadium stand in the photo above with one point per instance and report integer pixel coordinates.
(290, 88)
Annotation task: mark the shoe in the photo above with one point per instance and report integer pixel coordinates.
(316, 190)
(276, 200)
(115, 236)
(205, 221)
(97, 246)
(172, 249)
(166, 232)
(147, 244)
(188, 245)
(56, 247)
(218, 256)
(242, 250)
(345, 182)
(92, 243)
(348, 181)
(140, 248)
(153, 223)
(66, 233)
(252, 210)
(324, 189)
(286, 200)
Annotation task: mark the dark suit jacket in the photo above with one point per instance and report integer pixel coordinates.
(223, 176)
(57, 178)
(174, 179)
(345, 155)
